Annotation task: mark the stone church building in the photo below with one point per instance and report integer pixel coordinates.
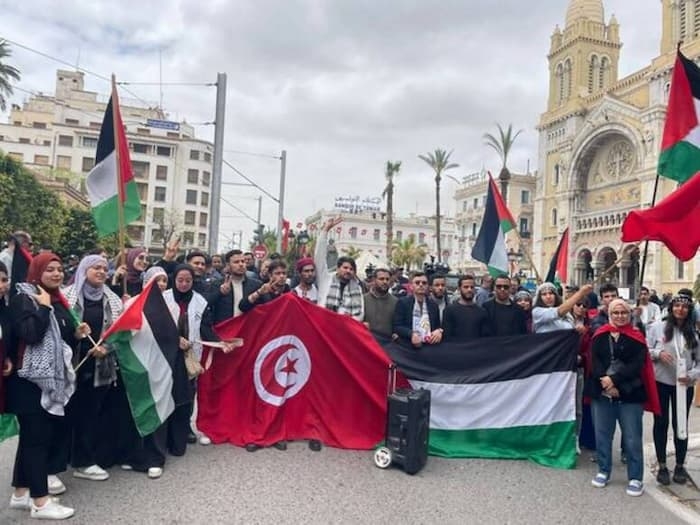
(599, 144)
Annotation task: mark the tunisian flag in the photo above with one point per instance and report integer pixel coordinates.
(303, 372)
(673, 221)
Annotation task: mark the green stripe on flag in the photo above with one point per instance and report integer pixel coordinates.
(680, 162)
(8, 426)
(551, 445)
(106, 214)
(136, 384)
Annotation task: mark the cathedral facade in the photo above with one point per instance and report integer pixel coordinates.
(599, 142)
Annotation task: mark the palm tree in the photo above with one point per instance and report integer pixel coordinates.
(406, 253)
(392, 168)
(502, 145)
(6, 73)
(439, 160)
(352, 251)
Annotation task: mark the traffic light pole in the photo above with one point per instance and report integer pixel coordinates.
(280, 215)
(215, 197)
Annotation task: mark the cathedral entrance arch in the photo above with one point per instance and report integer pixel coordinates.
(608, 270)
(583, 267)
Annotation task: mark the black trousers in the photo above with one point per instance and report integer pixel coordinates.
(667, 395)
(117, 436)
(178, 429)
(42, 450)
(85, 414)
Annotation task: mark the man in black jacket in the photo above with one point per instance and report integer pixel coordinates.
(417, 317)
(226, 303)
(505, 317)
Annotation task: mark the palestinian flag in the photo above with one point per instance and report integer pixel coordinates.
(21, 259)
(558, 266)
(499, 397)
(673, 221)
(110, 184)
(146, 342)
(680, 146)
(490, 245)
(8, 426)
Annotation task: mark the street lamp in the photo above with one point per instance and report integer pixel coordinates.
(514, 258)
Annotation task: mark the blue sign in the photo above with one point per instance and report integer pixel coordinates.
(163, 124)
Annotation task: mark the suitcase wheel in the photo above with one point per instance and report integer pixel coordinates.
(382, 457)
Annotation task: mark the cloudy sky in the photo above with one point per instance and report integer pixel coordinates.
(342, 85)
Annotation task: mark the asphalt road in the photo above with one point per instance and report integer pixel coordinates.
(225, 484)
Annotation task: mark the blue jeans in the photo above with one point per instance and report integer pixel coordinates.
(606, 414)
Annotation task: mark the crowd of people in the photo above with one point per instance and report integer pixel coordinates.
(72, 408)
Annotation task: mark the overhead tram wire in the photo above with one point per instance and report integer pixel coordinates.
(174, 83)
(239, 210)
(82, 69)
(250, 153)
(263, 190)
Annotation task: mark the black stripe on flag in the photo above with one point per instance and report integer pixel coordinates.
(157, 315)
(488, 233)
(692, 72)
(105, 144)
(487, 360)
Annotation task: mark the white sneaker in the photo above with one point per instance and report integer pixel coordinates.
(56, 486)
(126, 467)
(155, 472)
(21, 502)
(204, 440)
(93, 473)
(51, 511)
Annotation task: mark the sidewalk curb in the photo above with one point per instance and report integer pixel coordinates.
(675, 506)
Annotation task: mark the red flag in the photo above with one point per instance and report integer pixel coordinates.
(673, 221)
(303, 372)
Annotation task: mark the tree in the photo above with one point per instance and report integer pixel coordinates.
(27, 205)
(392, 168)
(269, 240)
(406, 253)
(79, 235)
(439, 160)
(169, 222)
(7, 72)
(352, 251)
(502, 145)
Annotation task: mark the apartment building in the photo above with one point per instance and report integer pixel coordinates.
(56, 136)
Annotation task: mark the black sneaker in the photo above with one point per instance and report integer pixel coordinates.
(280, 445)
(191, 438)
(252, 447)
(663, 476)
(680, 475)
(315, 445)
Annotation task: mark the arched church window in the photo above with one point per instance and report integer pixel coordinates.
(554, 217)
(555, 180)
(592, 73)
(560, 82)
(604, 70)
(567, 79)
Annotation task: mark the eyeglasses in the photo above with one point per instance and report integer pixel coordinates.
(620, 313)
(502, 287)
(580, 304)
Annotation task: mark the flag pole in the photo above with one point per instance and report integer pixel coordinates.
(120, 189)
(528, 258)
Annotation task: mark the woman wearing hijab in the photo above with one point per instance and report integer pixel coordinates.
(41, 386)
(194, 324)
(524, 300)
(670, 342)
(550, 312)
(98, 306)
(131, 273)
(618, 392)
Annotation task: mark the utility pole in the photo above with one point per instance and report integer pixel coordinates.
(218, 162)
(259, 217)
(280, 216)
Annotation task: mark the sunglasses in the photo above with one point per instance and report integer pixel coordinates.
(580, 304)
(502, 287)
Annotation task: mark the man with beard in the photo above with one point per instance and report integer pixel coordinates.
(339, 291)
(438, 292)
(485, 291)
(505, 317)
(465, 320)
(380, 304)
(203, 283)
(416, 317)
(306, 289)
(226, 301)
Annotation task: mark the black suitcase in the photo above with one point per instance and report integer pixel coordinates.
(407, 426)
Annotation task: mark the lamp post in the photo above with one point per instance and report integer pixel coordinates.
(514, 258)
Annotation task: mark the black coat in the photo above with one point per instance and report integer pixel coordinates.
(30, 325)
(403, 316)
(222, 305)
(627, 378)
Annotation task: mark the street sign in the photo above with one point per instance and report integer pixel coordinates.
(163, 124)
(260, 251)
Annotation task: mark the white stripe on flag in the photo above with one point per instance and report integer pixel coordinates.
(536, 400)
(693, 136)
(160, 375)
(499, 257)
(101, 182)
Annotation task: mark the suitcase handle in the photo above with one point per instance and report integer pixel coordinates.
(391, 382)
